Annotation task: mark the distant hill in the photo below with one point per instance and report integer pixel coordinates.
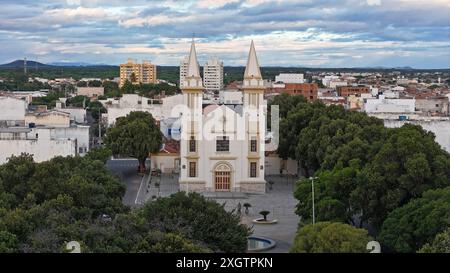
(77, 64)
(20, 64)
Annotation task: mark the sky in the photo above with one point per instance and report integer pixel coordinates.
(301, 33)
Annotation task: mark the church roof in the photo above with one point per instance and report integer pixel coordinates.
(192, 69)
(252, 69)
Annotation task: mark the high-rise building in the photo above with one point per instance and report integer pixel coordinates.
(183, 69)
(213, 74)
(137, 73)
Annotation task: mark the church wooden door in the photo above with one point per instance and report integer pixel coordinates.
(222, 176)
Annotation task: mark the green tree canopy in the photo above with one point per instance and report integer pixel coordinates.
(45, 205)
(199, 220)
(440, 244)
(135, 135)
(128, 87)
(102, 154)
(330, 237)
(362, 168)
(408, 228)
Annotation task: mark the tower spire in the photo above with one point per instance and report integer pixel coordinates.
(192, 78)
(252, 74)
(193, 70)
(252, 69)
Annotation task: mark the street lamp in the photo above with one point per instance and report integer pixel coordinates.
(312, 192)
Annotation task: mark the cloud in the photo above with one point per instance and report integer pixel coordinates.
(373, 2)
(287, 32)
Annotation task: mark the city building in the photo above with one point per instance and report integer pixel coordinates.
(90, 92)
(13, 111)
(183, 69)
(308, 90)
(213, 75)
(42, 133)
(290, 78)
(433, 105)
(329, 78)
(160, 109)
(356, 102)
(35, 141)
(222, 147)
(383, 105)
(345, 91)
(137, 73)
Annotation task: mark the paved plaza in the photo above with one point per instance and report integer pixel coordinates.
(279, 201)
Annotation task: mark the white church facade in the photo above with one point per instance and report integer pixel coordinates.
(222, 146)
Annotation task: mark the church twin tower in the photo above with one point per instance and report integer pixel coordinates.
(222, 146)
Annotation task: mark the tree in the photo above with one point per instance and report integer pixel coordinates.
(135, 135)
(102, 154)
(82, 84)
(67, 199)
(330, 237)
(133, 78)
(78, 101)
(176, 243)
(111, 89)
(408, 228)
(8, 242)
(331, 189)
(96, 108)
(440, 244)
(127, 88)
(198, 219)
(407, 164)
(95, 83)
(365, 170)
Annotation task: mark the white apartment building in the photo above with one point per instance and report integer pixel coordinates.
(327, 79)
(383, 105)
(213, 74)
(35, 141)
(43, 134)
(183, 70)
(13, 111)
(290, 78)
(160, 109)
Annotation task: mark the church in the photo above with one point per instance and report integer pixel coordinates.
(222, 145)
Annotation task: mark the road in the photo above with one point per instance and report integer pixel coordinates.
(126, 169)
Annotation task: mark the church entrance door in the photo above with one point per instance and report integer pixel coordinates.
(222, 176)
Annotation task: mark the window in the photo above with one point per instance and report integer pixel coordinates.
(192, 145)
(222, 144)
(252, 169)
(192, 169)
(253, 145)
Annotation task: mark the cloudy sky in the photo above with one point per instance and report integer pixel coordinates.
(313, 33)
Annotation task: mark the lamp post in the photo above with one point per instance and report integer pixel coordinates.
(99, 127)
(313, 205)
